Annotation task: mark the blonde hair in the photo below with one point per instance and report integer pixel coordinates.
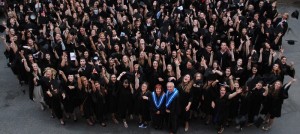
(53, 71)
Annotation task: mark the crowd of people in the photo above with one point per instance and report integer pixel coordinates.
(163, 61)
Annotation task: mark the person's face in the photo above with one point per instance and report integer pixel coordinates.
(236, 85)
(174, 54)
(215, 65)
(155, 64)
(195, 22)
(170, 87)
(97, 86)
(228, 72)
(254, 70)
(268, 22)
(275, 67)
(261, 3)
(125, 59)
(283, 60)
(244, 31)
(277, 85)
(49, 74)
(258, 86)
(208, 49)
(86, 54)
(239, 62)
(136, 67)
(189, 65)
(125, 84)
(144, 87)
(158, 90)
(30, 57)
(188, 52)
(267, 45)
(113, 78)
(82, 62)
(156, 57)
(222, 91)
(198, 77)
(48, 56)
(211, 29)
(12, 31)
(169, 67)
(186, 78)
(71, 78)
(58, 37)
(30, 42)
(223, 46)
(35, 67)
(163, 45)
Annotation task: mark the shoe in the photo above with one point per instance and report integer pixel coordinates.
(250, 124)
(103, 124)
(42, 107)
(143, 126)
(186, 129)
(74, 118)
(221, 130)
(125, 124)
(131, 117)
(265, 128)
(115, 121)
(62, 122)
(89, 122)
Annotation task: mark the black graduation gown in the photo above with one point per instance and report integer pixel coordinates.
(256, 98)
(54, 102)
(113, 96)
(87, 103)
(157, 119)
(98, 105)
(197, 94)
(274, 101)
(221, 109)
(144, 105)
(72, 99)
(172, 117)
(208, 96)
(185, 98)
(125, 101)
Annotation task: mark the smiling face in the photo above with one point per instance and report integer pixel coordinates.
(187, 78)
(222, 91)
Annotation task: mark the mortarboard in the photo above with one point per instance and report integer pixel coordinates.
(291, 42)
(2, 29)
(295, 14)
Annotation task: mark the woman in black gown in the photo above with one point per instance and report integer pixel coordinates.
(186, 98)
(220, 106)
(98, 97)
(143, 105)
(208, 95)
(197, 94)
(53, 95)
(157, 107)
(87, 102)
(125, 98)
(275, 96)
(113, 95)
(72, 100)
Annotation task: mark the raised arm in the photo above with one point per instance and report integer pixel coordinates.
(238, 91)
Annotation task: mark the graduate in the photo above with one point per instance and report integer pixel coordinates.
(157, 106)
(172, 107)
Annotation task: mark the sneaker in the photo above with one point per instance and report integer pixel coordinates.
(221, 130)
(141, 125)
(144, 126)
(125, 124)
(265, 128)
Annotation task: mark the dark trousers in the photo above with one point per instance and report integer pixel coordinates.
(172, 122)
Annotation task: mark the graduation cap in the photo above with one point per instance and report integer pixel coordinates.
(2, 29)
(291, 42)
(295, 14)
